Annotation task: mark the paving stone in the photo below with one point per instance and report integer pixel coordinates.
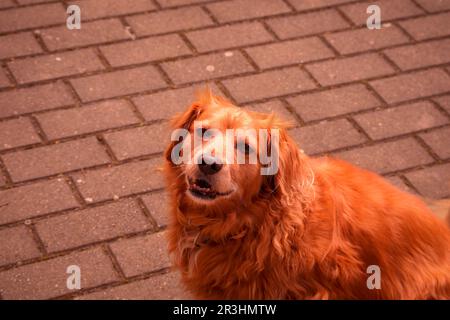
(303, 5)
(17, 244)
(289, 52)
(428, 27)
(421, 55)
(432, 182)
(94, 9)
(16, 133)
(117, 83)
(229, 36)
(333, 102)
(434, 5)
(169, 21)
(307, 24)
(18, 44)
(359, 40)
(164, 287)
(444, 102)
(90, 118)
(95, 32)
(55, 66)
(91, 225)
(400, 184)
(157, 204)
(4, 80)
(439, 141)
(118, 181)
(166, 104)
(412, 86)
(145, 50)
(139, 141)
(32, 17)
(388, 156)
(274, 106)
(48, 279)
(207, 67)
(246, 9)
(390, 10)
(344, 70)
(36, 98)
(412, 117)
(32, 200)
(57, 158)
(269, 84)
(327, 136)
(142, 254)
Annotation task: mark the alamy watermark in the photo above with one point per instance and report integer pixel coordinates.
(374, 280)
(374, 20)
(74, 17)
(73, 281)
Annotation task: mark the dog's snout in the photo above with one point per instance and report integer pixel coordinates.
(209, 165)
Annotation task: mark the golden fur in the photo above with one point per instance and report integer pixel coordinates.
(309, 232)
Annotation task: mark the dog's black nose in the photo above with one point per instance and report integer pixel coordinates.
(209, 165)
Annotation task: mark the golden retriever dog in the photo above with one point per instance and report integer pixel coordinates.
(317, 228)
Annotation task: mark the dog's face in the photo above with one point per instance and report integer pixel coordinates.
(223, 166)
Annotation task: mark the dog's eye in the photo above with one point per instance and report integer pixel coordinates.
(244, 147)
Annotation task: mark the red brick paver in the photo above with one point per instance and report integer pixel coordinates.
(16, 133)
(117, 181)
(55, 66)
(327, 136)
(32, 17)
(53, 159)
(94, 32)
(31, 200)
(118, 83)
(289, 52)
(91, 225)
(246, 9)
(166, 286)
(157, 205)
(390, 10)
(18, 44)
(144, 141)
(90, 118)
(48, 279)
(36, 98)
(428, 27)
(84, 117)
(229, 36)
(142, 254)
(307, 24)
(17, 244)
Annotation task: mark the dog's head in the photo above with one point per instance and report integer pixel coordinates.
(222, 155)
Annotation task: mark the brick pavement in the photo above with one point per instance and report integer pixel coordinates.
(83, 117)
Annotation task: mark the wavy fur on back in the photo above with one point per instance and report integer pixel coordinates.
(309, 232)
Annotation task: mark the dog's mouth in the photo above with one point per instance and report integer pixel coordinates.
(202, 189)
